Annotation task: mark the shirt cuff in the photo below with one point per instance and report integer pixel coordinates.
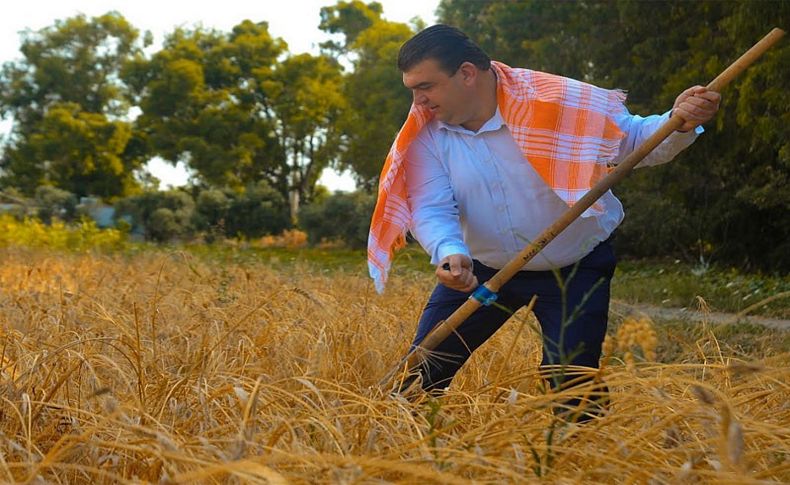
(447, 248)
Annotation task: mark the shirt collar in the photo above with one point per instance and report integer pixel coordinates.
(493, 124)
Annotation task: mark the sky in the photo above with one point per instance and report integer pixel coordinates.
(296, 21)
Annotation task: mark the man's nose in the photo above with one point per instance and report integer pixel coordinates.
(420, 99)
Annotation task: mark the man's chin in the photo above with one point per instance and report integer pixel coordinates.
(442, 117)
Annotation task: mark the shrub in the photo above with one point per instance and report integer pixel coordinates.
(211, 210)
(290, 238)
(57, 235)
(340, 217)
(163, 226)
(260, 210)
(160, 216)
(55, 203)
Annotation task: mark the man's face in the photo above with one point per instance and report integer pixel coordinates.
(444, 94)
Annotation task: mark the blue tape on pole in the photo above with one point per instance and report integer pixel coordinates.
(484, 295)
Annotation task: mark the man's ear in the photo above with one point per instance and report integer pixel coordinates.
(468, 73)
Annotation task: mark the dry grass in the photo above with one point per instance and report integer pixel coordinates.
(164, 368)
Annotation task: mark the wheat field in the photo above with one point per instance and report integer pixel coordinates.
(162, 367)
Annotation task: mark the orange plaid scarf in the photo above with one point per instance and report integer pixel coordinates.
(564, 128)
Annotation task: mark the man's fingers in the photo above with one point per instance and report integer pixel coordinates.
(708, 100)
(469, 283)
(692, 113)
(696, 105)
(690, 91)
(698, 92)
(696, 110)
(455, 265)
(465, 283)
(463, 279)
(468, 278)
(698, 101)
(703, 102)
(472, 285)
(455, 272)
(711, 96)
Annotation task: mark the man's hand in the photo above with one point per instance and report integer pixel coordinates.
(459, 274)
(696, 105)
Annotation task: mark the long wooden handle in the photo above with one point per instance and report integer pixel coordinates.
(441, 331)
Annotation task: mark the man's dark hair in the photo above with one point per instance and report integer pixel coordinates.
(447, 45)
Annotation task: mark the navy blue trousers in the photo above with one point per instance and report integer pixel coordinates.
(573, 324)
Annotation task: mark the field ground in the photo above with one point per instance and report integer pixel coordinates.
(224, 365)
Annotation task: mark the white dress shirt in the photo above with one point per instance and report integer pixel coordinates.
(473, 193)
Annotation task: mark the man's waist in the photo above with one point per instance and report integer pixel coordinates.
(541, 262)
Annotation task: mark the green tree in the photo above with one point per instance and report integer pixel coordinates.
(548, 36)
(68, 105)
(307, 101)
(377, 101)
(75, 150)
(737, 186)
(349, 19)
(203, 102)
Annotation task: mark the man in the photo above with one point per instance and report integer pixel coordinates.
(489, 157)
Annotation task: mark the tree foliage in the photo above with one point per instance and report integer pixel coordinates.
(203, 102)
(307, 101)
(377, 101)
(226, 105)
(349, 18)
(341, 217)
(67, 104)
(161, 215)
(260, 210)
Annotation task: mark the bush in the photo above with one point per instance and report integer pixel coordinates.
(163, 226)
(260, 210)
(82, 236)
(211, 210)
(290, 238)
(160, 216)
(340, 217)
(56, 203)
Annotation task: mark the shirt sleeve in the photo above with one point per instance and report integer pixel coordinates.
(435, 220)
(638, 129)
